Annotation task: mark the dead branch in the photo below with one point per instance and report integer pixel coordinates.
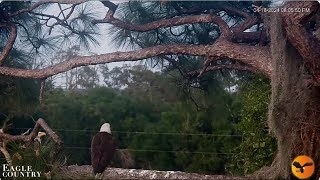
(257, 57)
(40, 123)
(29, 138)
(13, 35)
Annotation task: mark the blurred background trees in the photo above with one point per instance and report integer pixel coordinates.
(159, 125)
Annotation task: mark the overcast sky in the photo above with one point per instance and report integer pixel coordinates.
(105, 40)
(106, 46)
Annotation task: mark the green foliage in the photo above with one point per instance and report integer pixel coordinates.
(87, 110)
(18, 97)
(37, 37)
(149, 103)
(258, 147)
(176, 135)
(23, 154)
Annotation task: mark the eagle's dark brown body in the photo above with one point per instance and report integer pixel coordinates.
(102, 150)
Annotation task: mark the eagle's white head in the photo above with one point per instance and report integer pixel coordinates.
(105, 128)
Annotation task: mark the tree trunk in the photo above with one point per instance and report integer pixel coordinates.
(294, 111)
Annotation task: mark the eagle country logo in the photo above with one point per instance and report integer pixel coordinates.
(302, 167)
(18, 172)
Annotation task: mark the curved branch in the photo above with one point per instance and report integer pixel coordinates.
(176, 21)
(166, 22)
(191, 19)
(257, 57)
(10, 42)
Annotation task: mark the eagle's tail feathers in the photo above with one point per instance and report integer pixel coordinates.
(125, 158)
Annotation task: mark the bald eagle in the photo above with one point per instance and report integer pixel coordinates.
(37, 143)
(103, 148)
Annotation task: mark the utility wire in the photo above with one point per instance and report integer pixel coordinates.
(142, 132)
(156, 150)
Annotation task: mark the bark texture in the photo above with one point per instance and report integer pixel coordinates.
(256, 57)
(294, 109)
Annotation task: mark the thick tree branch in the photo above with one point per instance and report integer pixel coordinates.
(257, 57)
(238, 35)
(176, 21)
(166, 22)
(10, 41)
(249, 37)
(307, 46)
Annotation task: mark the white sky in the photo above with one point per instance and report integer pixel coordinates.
(105, 40)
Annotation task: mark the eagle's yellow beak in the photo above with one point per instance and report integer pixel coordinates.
(40, 134)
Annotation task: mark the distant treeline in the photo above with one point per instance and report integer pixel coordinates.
(212, 130)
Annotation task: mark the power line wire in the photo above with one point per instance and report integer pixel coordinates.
(156, 150)
(147, 133)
